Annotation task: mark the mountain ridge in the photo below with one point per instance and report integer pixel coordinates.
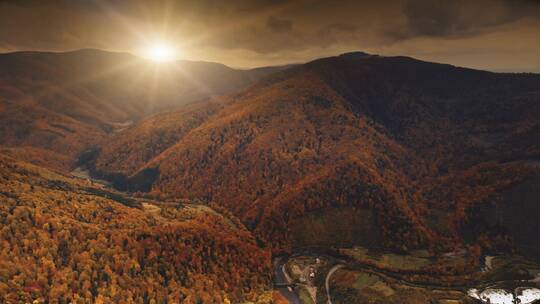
(393, 127)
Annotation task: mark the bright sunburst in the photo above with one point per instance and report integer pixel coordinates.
(160, 52)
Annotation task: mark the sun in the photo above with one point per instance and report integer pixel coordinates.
(160, 52)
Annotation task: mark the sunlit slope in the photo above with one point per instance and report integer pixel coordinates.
(67, 102)
(126, 152)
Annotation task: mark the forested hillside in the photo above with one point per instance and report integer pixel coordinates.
(413, 145)
(387, 153)
(66, 240)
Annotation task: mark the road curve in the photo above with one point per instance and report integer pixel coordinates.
(327, 281)
(281, 278)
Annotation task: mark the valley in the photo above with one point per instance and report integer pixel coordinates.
(340, 278)
(306, 277)
(356, 178)
(388, 276)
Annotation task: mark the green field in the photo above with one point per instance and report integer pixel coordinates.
(372, 277)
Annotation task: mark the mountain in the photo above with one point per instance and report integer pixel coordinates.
(56, 105)
(355, 149)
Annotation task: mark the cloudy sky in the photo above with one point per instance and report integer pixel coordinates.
(501, 35)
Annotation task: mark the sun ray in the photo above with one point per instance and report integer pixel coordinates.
(160, 52)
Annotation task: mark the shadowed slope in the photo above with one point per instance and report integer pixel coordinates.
(413, 144)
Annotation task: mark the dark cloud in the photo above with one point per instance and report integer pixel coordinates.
(298, 29)
(443, 18)
(335, 32)
(434, 17)
(278, 25)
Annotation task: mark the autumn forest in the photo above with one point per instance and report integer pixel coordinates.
(300, 172)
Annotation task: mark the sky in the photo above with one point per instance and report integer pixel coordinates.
(498, 35)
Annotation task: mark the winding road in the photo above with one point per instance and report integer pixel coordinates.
(327, 281)
(281, 278)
